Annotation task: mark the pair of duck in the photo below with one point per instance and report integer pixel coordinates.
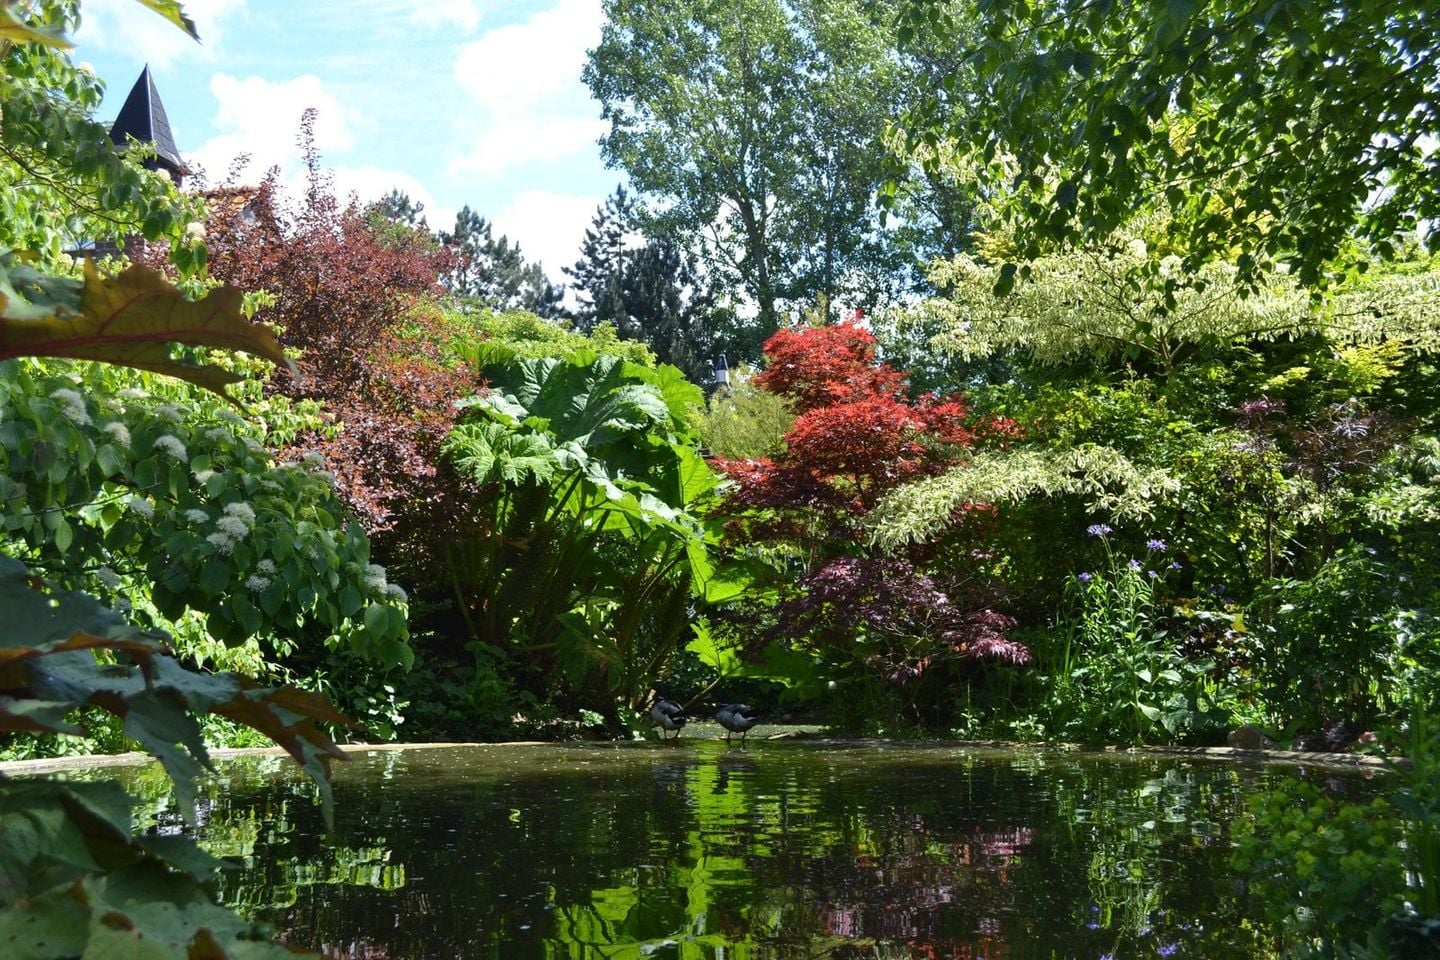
(734, 717)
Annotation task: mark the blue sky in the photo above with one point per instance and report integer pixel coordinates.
(452, 101)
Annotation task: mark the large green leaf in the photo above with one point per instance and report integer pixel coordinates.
(488, 452)
(592, 400)
(131, 320)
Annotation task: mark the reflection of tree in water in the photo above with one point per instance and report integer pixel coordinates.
(772, 853)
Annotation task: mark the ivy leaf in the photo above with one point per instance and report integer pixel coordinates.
(129, 320)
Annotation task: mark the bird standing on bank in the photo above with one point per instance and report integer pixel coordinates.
(669, 715)
(737, 718)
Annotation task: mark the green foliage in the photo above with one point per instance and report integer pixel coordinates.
(484, 338)
(1346, 644)
(1327, 873)
(179, 505)
(744, 422)
(582, 547)
(62, 182)
(1124, 299)
(1108, 482)
(74, 878)
(1272, 131)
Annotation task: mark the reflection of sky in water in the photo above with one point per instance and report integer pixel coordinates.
(773, 852)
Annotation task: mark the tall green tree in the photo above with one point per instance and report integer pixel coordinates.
(649, 289)
(757, 127)
(597, 273)
(1274, 130)
(493, 270)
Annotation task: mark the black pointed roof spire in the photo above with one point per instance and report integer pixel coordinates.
(143, 118)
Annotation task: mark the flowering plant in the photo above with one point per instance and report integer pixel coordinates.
(1121, 676)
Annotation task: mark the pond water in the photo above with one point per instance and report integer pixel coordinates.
(774, 851)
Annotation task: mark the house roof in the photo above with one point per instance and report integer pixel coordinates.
(143, 118)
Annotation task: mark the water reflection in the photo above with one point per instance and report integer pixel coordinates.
(775, 852)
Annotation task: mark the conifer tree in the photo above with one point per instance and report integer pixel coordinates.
(494, 271)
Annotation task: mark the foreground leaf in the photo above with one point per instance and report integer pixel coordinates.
(172, 11)
(130, 320)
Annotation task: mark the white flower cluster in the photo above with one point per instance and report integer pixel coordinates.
(266, 566)
(142, 506)
(313, 459)
(220, 435)
(172, 447)
(242, 510)
(397, 591)
(221, 542)
(170, 411)
(256, 582)
(72, 405)
(203, 476)
(118, 432)
(108, 577)
(131, 393)
(238, 519)
(231, 417)
(197, 516)
(375, 577)
(253, 445)
(233, 527)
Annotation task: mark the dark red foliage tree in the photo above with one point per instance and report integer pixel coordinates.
(351, 290)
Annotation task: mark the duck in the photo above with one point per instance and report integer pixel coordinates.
(669, 715)
(737, 718)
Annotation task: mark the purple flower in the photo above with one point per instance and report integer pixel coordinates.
(1134, 564)
(1168, 950)
(1157, 545)
(1174, 564)
(1151, 574)
(1084, 577)
(1099, 530)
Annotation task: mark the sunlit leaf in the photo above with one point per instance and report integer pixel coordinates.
(131, 320)
(15, 30)
(172, 11)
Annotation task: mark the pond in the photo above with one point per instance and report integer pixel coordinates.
(773, 851)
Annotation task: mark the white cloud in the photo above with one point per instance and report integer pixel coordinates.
(126, 26)
(461, 14)
(525, 80)
(261, 118)
(372, 183)
(548, 226)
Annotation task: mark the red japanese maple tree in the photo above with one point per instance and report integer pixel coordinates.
(858, 436)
